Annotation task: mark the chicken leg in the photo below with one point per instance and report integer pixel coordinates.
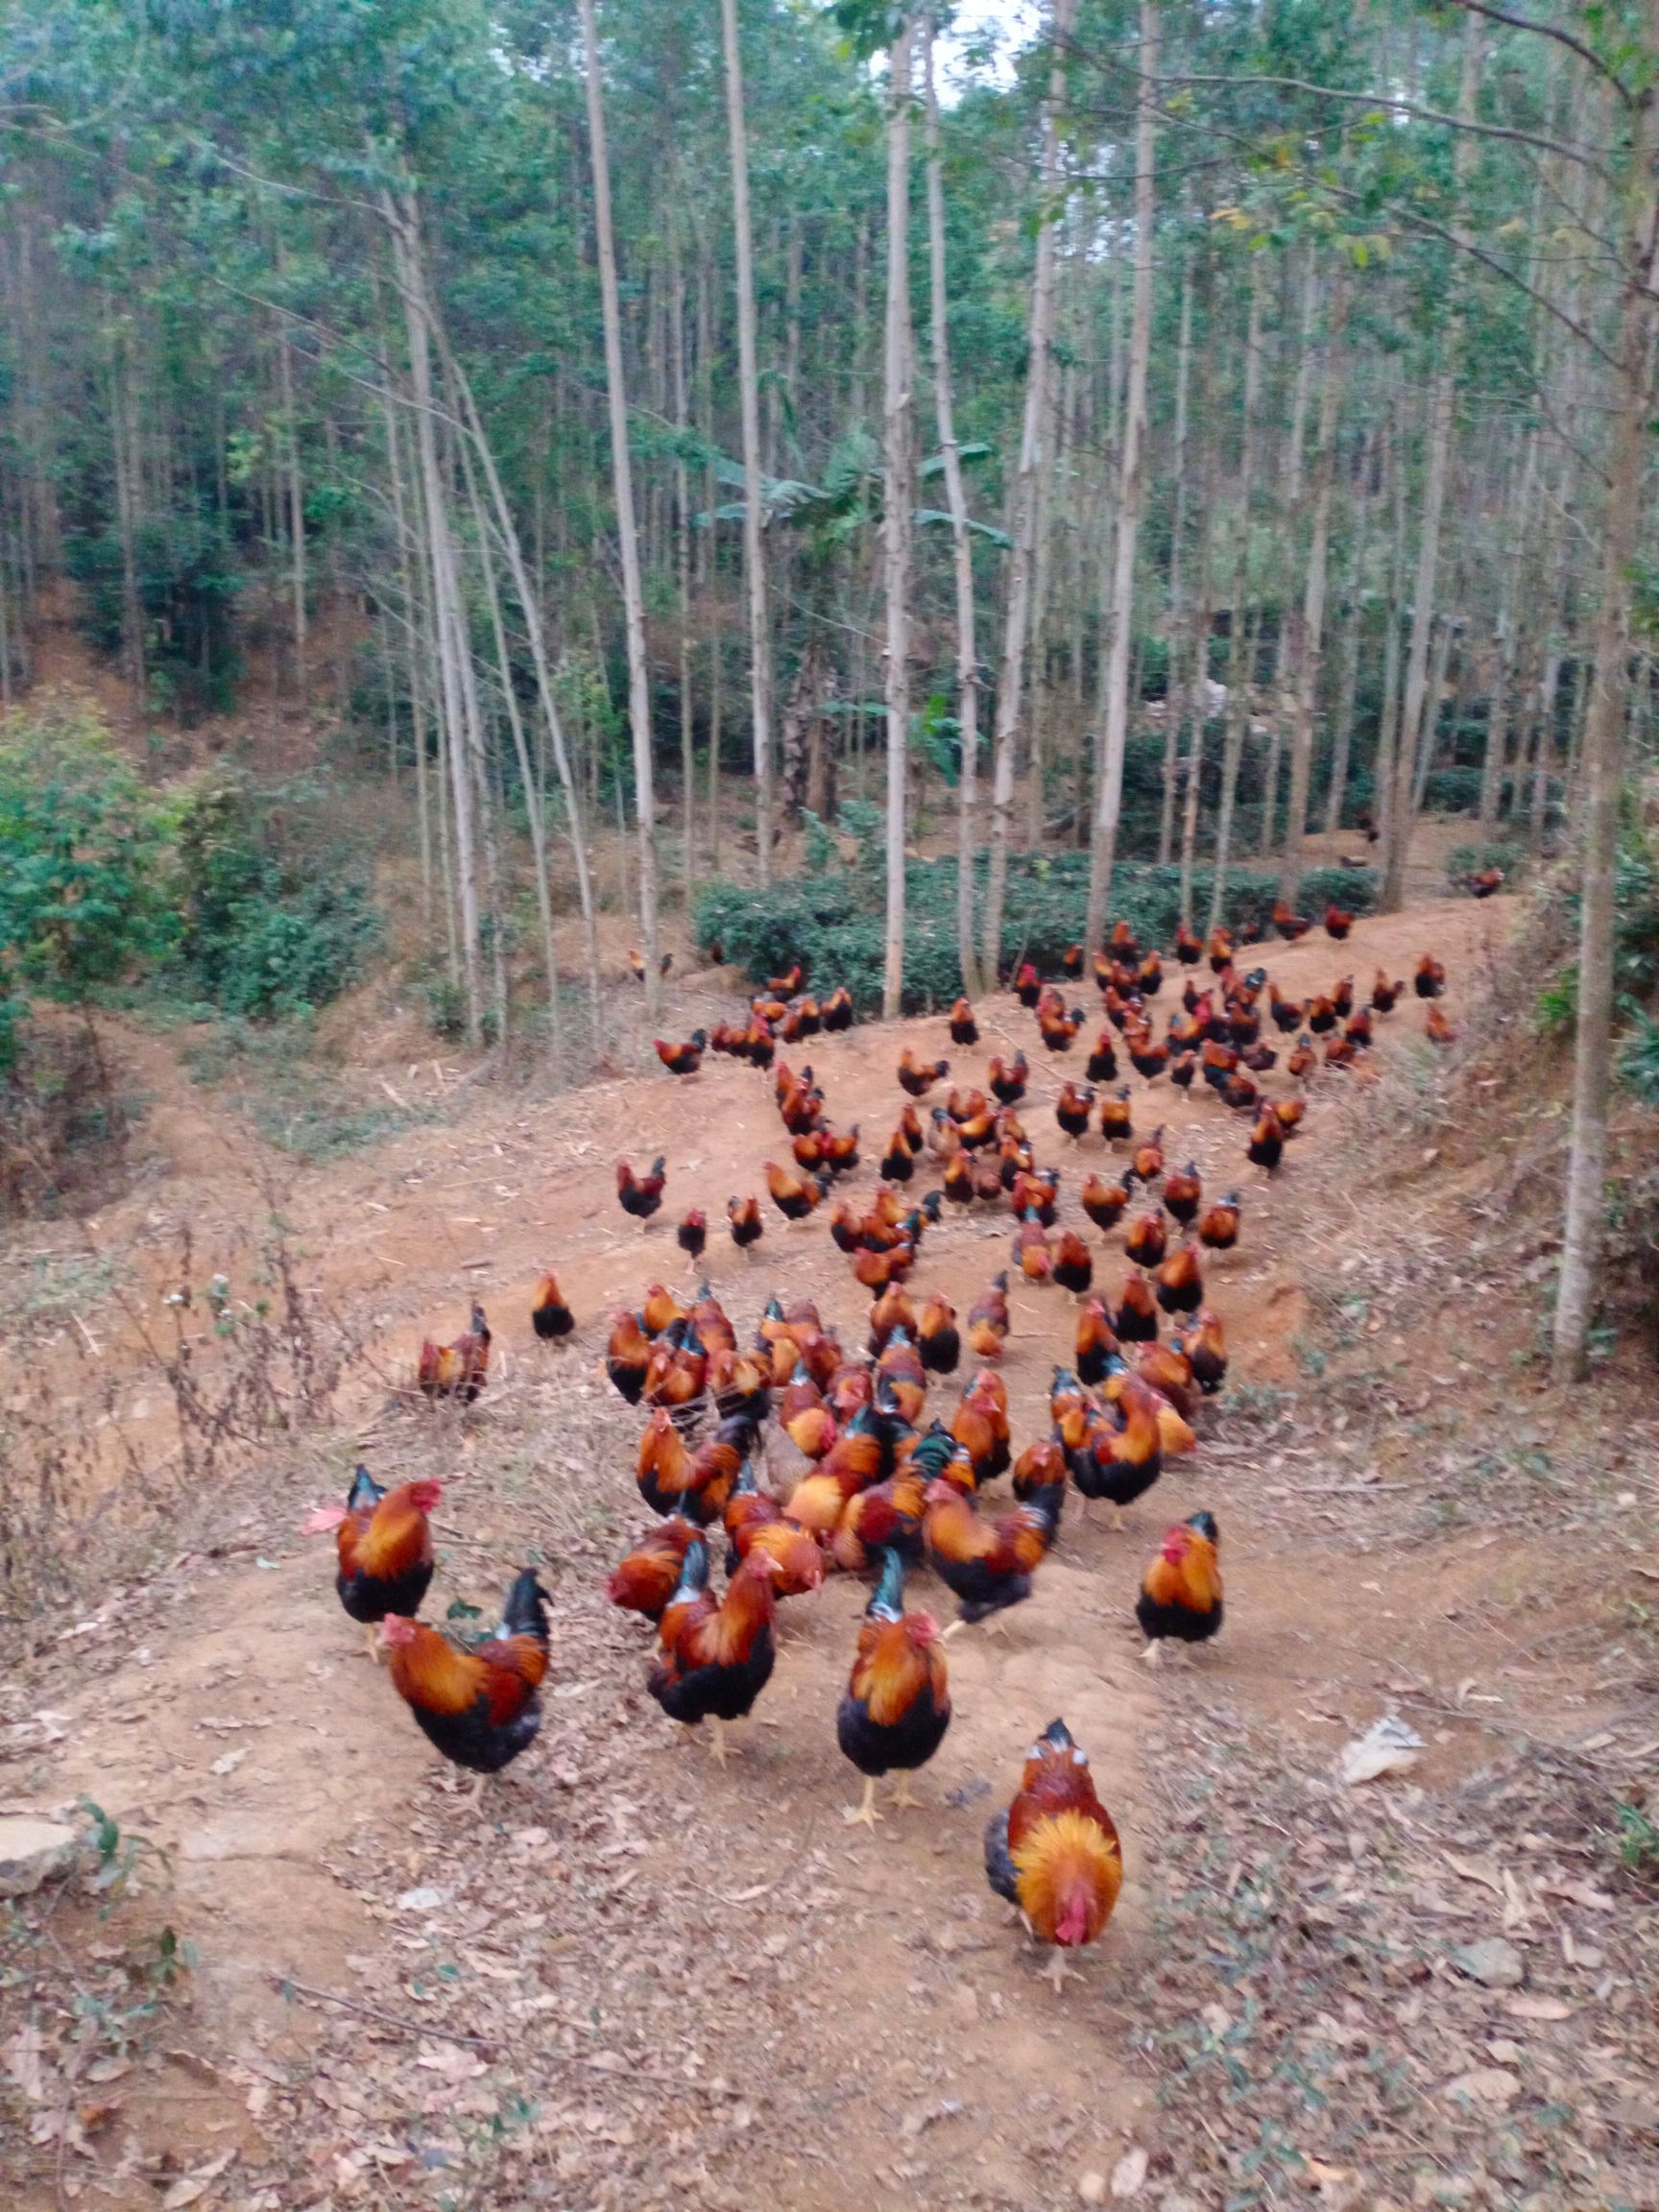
(717, 1742)
(1055, 1971)
(904, 1798)
(864, 1813)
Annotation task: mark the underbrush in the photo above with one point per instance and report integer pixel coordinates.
(216, 1361)
(831, 918)
(214, 891)
(64, 1121)
(297, 1097)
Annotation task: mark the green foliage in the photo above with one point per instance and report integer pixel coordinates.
(1557, 1006)
(1638, 1063)
(241, 897)
(272, 927)
(833, 918)
(1466, 860)
(1638, 1841)
(81, 845)
(1635, 969)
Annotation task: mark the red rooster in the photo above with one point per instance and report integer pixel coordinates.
(1055, 1853)
(457, 1370)
(479, 1708)
(383, 1544)
(716, 1658)
(896, 1706)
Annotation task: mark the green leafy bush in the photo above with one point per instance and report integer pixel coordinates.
(274, 923)
(81, 850)
(1635, 969)
(833, 921)
(1466, 860)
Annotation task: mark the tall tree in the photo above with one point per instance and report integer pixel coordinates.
(1400, 819)
(961, 541)
(1115, 734)
(627, 532)
(896, 497)
(1010, 685)
(749, 404)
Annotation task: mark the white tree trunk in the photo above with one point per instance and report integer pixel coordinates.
(1115, 734)
(1173, 689)
(530, 607)
(1311, 645)
(962, 543)
(1010, 685)
(1397, 838)
(622, 477)
(448, 634)
(1241, 660)
(749, 402)
(896, 497)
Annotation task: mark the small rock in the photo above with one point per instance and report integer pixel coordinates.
(420, 1900)
(32, 1851)
(1091, 2189)
(1494, 1962)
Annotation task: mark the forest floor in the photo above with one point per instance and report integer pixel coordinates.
(633, 1978)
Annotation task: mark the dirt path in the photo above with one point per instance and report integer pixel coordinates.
(634, 1974)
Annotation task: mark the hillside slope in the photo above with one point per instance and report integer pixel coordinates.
(632, 1975)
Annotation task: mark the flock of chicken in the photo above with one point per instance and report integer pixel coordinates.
(876, 1489)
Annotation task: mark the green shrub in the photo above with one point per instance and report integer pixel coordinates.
(1453, 791)
(1638, 1063)
(275, 923)
(1466, 860)
(82, 892)
(834, 921)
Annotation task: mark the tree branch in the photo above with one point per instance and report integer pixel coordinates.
(1389, 102)
(1551, 31)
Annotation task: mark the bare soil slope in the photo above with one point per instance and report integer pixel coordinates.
(634, 1978)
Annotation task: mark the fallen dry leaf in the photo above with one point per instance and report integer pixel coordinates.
(1490, 2084)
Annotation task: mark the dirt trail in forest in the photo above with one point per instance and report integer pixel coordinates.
(634, 1974)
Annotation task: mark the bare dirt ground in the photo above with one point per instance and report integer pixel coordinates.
(635, 1979)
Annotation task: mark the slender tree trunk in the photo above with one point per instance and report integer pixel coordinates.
(962, 543)
(748, 389)
(897, 496)
(1241, 658)
(1287, 636)
(1430, 742)
(1388, 723)
(1115, 734)
(683, 565)
(1172, 710)
(1042, 566)
(530, 608)
(1063, 14)
(1495, 759)
(622, 477)
(1199, 657)
(295, 508)
(1544, 747)
(1311, 645)
(1437, 468)
(536, 824)
(411, 620)
(1348, 679)
(449, 632)
(1583, 1230)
